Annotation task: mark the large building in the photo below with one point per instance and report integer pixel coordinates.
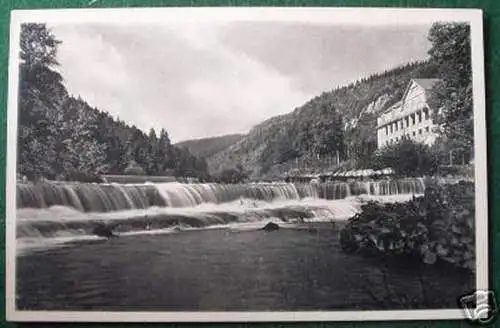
(410, 117)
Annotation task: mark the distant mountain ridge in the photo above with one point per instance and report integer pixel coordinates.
(340, 123)
(205, 147)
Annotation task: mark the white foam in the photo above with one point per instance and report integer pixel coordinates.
(247, 210)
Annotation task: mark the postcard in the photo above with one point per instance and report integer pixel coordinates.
(246, 164)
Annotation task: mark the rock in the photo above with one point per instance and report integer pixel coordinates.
(348, 241)
(102, 230)
(271, 227)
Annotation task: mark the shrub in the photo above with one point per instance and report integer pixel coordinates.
(407, 158)
(436, 227)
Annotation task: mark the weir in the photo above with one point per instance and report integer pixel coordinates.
(87, 197)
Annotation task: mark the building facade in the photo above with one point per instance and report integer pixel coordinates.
(411, 117)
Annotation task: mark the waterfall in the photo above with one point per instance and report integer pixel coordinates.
(41, 228)
(55, 213)
(87, 197)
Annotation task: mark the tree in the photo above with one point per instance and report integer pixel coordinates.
(81, 151)
(452, 96)
(407, 158)
(40, 93)
(165, 158)
(151, 151)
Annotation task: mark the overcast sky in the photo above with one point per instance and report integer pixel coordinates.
(214, 79)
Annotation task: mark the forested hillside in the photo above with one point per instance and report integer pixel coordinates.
(339, 126)
(205, 147)
(339, 123)
(63, 137)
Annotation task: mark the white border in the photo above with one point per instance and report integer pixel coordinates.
(341, 16)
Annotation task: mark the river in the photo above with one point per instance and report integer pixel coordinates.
(199, 247)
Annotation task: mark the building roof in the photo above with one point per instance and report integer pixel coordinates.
(391, 108)
(427, 84)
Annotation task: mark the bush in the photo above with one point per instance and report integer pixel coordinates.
(407, 158)
(436, 227)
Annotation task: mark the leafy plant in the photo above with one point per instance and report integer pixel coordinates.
(436, 227)
(407, 158)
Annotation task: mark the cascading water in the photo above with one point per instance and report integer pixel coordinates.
(116, 197)
(55, 213)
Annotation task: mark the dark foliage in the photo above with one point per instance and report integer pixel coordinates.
(438, 227)
(451, 52)
(407, 158)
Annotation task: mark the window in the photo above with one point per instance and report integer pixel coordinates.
(419, 131)
(407, 119)
(419, 114)
(391, 128)
(396, 125)
(414, 134)
(427, 129)
(386, 130)
(426, 113)
(412, 119)
(402, 125)
(397, 138)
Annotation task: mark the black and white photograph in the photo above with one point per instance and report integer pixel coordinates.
(245, 164)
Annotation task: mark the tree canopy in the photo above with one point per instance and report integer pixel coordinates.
(406, 158)
(451, 52)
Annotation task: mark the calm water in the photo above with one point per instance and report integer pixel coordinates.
(227, 270)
